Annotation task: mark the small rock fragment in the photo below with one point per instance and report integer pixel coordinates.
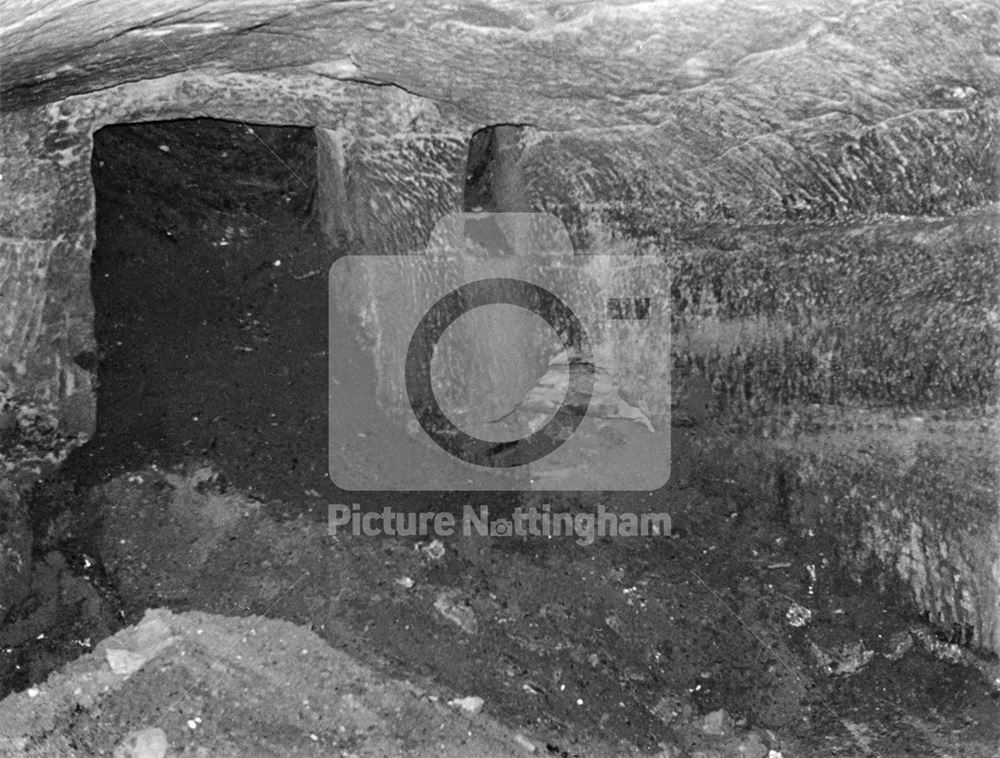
(900, 644)
(845, 660)
(671, 707)
(521, 741)
(752, 746)
(798, 615)
(471, 704)
(457, 614)
(143, 743)
(124, 662)
(717, 723)
(434, 550)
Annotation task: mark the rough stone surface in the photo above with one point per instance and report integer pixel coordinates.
(936, 161)
(398, 188)
(250, 686)
(762, 65)
(868, 306)
(917, 495)
(143, 743)
(46, 226)
(732, 113)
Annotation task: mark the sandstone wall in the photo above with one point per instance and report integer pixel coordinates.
(47, 221)
(852, 344)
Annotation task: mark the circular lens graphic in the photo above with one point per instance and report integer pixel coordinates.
(443, 314)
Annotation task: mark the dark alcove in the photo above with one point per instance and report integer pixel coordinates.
(209, 286)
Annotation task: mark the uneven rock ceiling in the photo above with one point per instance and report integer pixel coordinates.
(724, 70)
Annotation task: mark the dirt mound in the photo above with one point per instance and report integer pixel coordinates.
(238, 687)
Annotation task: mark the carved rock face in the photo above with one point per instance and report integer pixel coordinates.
(724, 71)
